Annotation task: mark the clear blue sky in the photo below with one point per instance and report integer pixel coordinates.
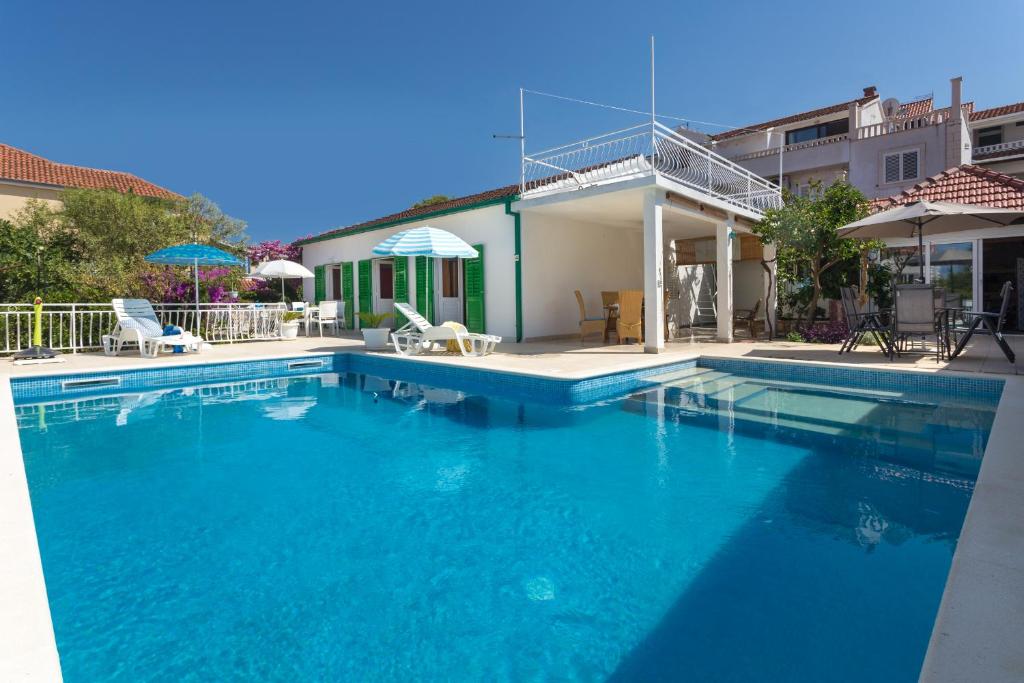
(301, 116)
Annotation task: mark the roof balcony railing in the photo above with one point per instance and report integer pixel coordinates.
(1002, 147)
(646, 150)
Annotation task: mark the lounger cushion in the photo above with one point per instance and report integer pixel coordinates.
(149, 328)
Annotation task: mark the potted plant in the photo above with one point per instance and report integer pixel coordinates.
(375, 336)
(290, 324)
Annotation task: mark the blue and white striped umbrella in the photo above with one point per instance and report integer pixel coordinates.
(425, 241)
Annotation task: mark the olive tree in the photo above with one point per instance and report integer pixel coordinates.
(805, 234)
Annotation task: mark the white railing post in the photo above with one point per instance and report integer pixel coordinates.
(74, 337)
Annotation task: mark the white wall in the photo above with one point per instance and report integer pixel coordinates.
(489, 226)
(561, 256)
(866, 158)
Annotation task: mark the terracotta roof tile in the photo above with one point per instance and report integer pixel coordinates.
(910, 110)
(17, 164)
(457, 203)
(997, 111)
(793, 118)
(967, 184)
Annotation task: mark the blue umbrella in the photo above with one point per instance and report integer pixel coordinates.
(425, 241)
(194, 255)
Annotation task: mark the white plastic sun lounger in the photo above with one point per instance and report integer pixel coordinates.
(419, 335)
(137, 323)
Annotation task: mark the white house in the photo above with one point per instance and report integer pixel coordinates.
(645, 208)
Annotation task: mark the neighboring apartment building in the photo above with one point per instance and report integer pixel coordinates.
(25, 176)
(896, 152)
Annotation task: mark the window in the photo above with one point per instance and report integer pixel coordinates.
(385, 275)
(450, 278)
(821, 130)
(990, 136)
(900, 166)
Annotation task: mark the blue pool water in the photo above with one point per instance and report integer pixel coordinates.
(711, 527)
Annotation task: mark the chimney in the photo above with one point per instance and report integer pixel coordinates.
(955, 98)
(958, 137)
(871, 91)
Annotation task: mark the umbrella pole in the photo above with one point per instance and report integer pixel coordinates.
(282, 290)
(195, 272)
(920, 248)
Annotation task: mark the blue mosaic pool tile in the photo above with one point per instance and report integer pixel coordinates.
(978, 388)
(531, 387)
(30, 389)
(554, 390)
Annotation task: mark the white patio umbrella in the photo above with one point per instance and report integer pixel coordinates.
(930, 218)
(425, 241)
(283, 269)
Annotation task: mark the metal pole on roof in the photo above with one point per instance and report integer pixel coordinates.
(522, 143)
(653, 145)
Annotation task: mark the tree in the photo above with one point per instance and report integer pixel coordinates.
(430, 201)
(805, 234)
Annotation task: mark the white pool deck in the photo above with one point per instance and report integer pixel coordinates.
(980, 626)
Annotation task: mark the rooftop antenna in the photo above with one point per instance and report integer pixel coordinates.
(522, 142)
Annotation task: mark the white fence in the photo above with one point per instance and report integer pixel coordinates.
(643, 150)
(81, 326)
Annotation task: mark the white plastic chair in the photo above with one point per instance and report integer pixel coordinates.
(328, 313)
(137, 323)
(419, 335)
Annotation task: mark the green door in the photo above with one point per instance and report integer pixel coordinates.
(365, 286)
(474, 292)
(425, 287)
(320, 284)
(348, 291)
(401, 279)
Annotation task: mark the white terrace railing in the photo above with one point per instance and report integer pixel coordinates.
(1005, 147)
(807, 144)
(643, 151)
(80, 326)
(899, 125)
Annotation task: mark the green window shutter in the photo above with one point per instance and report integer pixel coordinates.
(348, 292)
(476, 320)
(401, 277)
(425, 287)
(365, 285)
(320, 284)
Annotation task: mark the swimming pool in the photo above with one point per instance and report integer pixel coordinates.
(708, 521)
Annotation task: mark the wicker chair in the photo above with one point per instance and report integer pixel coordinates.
(630, 322)
(747, 317)
(588, 325)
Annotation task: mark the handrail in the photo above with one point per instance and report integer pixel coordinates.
(74, 327)
(644, 150)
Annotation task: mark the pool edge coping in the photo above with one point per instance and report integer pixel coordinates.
(959, 609)
(28, 644)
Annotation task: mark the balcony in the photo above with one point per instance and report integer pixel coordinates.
(833, 150)
(1012, 148)
(646, 150)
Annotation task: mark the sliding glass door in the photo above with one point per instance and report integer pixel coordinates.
(953, 266)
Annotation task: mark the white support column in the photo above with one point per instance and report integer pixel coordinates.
(654, 280)
(771, 286)
(723, 250)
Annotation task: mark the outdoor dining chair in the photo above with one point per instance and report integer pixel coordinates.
(861, 322)
(588, 325)
(915, 316)
(747, 317)
(327, 314)
(630, 322)
(992, 322)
